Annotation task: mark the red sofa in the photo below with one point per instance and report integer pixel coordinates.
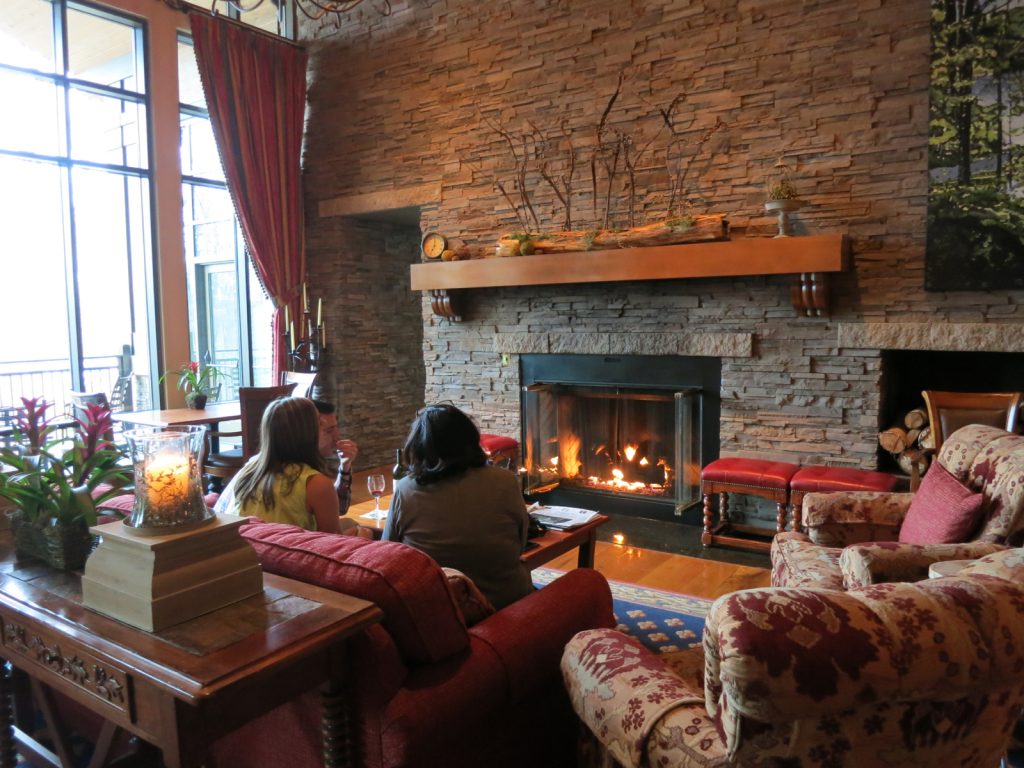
(425, 690)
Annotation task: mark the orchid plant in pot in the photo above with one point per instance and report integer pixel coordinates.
(197, 381)
(55, 483)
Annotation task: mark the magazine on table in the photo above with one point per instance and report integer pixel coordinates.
(561, 518)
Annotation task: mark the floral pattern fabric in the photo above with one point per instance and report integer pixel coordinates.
(923, 674)
(988, 460)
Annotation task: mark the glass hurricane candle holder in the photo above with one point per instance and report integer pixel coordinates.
(168, 481)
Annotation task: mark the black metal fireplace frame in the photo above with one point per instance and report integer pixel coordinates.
(668, 372)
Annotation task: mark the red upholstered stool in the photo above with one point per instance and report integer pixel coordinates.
(833, 479)
(751, 477)
(500, 448)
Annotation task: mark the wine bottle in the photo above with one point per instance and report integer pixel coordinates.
(399, 471)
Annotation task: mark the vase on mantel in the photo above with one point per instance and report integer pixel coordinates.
(783, 208)
(196, 400)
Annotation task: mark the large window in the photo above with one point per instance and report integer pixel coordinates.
(225, 297)
(93, 291)
(75, 208)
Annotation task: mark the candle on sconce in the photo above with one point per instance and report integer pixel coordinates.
(309, 328)
(287, 319)
(320, 311)
(323, 336)
(291, 333)
(305, 299)
(167, 486)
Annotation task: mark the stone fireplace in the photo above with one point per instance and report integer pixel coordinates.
(628, 433)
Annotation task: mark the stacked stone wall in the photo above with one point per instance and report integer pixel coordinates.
(838, 88)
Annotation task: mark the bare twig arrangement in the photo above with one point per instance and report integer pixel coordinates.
(607, 153)
(522, 162)
(562, 187)
(614, 153)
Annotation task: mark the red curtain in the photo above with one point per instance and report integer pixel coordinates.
(255, 90)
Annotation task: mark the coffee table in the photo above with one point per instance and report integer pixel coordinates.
(549, 546)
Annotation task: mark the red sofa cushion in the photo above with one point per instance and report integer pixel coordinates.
(406, 584)
(754, 472)
(943, 511)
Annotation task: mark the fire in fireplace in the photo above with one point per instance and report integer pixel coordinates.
(611, 438)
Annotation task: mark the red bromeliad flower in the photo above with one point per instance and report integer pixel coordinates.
(93, 429)
(33, 423)
(194, 366)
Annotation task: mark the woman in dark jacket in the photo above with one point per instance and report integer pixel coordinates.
(458, 509)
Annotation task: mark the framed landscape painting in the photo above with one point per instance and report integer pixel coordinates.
(976, 146)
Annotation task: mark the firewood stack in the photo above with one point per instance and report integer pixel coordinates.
(910, 441)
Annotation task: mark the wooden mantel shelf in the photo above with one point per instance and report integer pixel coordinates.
(810, 258)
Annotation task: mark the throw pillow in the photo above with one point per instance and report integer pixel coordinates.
(474, 605)
(943, 511)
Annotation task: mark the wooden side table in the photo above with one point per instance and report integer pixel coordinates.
(183, 688)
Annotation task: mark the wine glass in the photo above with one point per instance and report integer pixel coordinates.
(376, 486)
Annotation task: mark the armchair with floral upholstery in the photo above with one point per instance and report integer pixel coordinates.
(852, 539)
(897, 674)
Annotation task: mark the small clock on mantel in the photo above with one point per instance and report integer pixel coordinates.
(433, 245)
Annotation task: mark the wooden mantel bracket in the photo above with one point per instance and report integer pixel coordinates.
(446, 304)
(809, 294)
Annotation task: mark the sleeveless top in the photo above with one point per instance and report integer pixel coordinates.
(288, 508)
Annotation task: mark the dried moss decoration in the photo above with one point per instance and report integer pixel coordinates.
(681, 225)
(588, 239)
(783, 190)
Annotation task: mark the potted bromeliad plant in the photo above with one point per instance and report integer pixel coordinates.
(198, 382)
(55, 483)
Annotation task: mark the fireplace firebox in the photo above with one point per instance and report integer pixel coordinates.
(622, 434)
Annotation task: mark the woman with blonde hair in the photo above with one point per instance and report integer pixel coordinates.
(286, 481)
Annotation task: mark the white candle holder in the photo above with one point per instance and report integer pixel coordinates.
(168, 481)
(783, 208)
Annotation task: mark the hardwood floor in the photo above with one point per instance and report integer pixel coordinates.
(700, 577)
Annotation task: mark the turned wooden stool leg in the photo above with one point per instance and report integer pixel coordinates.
(705, 537)
(723, 508)
(780, 517)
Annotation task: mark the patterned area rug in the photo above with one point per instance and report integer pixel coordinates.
(665, 622)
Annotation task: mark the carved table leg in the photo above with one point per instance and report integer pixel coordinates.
(8, 752)
(339, 739)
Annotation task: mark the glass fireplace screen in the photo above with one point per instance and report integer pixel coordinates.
(636, 442)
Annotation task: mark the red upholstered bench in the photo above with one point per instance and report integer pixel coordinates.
(499, 448)
(833, 479)
(751, 477)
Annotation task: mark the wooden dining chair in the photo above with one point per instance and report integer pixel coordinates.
(303, 382)
(222, 464)
(948, 411)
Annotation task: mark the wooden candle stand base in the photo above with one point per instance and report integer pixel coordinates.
(153, 582)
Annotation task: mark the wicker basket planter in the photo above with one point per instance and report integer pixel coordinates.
(64, 547)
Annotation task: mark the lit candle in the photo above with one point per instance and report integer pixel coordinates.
(167, 483)
(291, 333)
(319, 311)
(305, 299)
